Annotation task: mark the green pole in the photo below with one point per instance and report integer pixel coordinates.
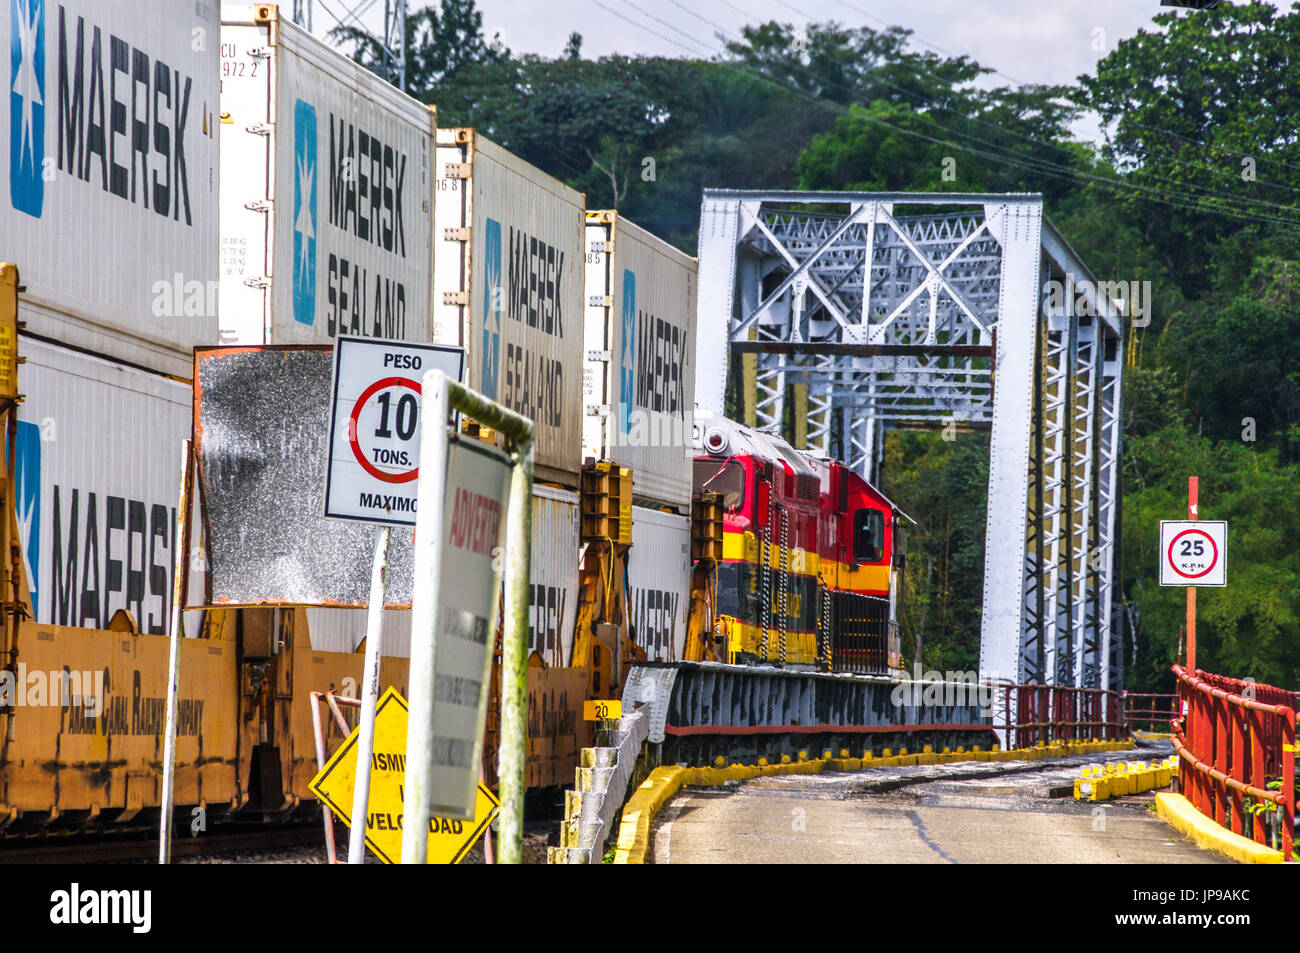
(514, 655)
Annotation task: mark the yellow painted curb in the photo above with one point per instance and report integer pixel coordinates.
(640, 811)
(1179, 812)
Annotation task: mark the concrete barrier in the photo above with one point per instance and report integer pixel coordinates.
(600, 785)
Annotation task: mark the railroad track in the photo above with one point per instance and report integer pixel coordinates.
(115, 849)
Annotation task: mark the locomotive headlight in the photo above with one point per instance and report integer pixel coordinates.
(715, 441)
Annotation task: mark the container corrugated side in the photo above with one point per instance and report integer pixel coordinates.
(553, 593)
(327, 209)
(508, 287)
(639, 372)
(342, 630)
(659, 582)
(110, 171)
(98, 480)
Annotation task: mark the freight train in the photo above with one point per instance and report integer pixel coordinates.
(318, 200)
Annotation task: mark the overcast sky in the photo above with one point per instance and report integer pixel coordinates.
(1033, 41)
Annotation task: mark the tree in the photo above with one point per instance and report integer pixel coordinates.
(942, 484)
(1205, 104)
(443, 49)
(1251, 627)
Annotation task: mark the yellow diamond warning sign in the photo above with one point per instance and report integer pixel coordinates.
(449, 840)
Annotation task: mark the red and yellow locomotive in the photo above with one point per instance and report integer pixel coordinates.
(811, 555)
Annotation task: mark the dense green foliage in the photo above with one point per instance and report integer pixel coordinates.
(1194, 189)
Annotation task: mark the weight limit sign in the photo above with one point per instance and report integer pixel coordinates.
(1193, 553)
(374, 444)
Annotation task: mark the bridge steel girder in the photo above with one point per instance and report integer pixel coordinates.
(907, 310)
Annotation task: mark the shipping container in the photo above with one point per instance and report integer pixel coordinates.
(659, 582)
(326, 210)
(508, 288)
(110, 208)
(554, 592)
(98, 482)
(639, 368)
(557, 525)
(343, 630)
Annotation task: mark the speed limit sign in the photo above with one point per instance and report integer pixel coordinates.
(374, 444)
(1193, 553)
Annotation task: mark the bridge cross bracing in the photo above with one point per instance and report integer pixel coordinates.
(885, 310)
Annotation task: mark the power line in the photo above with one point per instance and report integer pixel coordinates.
(1194, 203)
(997, 72)
(1194, 166)
(1034, 164)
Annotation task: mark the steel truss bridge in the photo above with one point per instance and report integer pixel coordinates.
(875, 310)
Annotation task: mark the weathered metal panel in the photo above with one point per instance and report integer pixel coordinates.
(639, 372)
(103, 748)
(508, 287)
(261, 418)
(556, 732)
(326, 214)
(98, 477)
(110, 172)
(659, 582)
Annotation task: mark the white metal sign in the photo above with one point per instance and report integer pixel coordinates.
(374, 445)
(1193, 553)
(473, 534)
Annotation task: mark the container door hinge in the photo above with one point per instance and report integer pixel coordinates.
(459, 170)
(600, 356)
(456, 298)
(455, 234)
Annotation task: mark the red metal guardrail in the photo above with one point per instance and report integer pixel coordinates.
(1234, 738)
(1149, 710)
(1047, 713)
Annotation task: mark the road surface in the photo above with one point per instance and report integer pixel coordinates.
(973, 813)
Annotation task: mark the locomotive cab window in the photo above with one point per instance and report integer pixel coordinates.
(868, 536)
(727, 478)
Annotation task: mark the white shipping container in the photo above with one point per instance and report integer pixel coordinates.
(554, 597)
(98, 482)
(342, 630)
(553, 594)
(110, 115)
(326, 213)
(639, 373)
(659, 582)
(508, 288)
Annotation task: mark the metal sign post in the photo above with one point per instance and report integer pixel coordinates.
(369, 697)
(1193, 553)
(372, 463)
(1192, 486)
(426, 749)
(174, 659)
